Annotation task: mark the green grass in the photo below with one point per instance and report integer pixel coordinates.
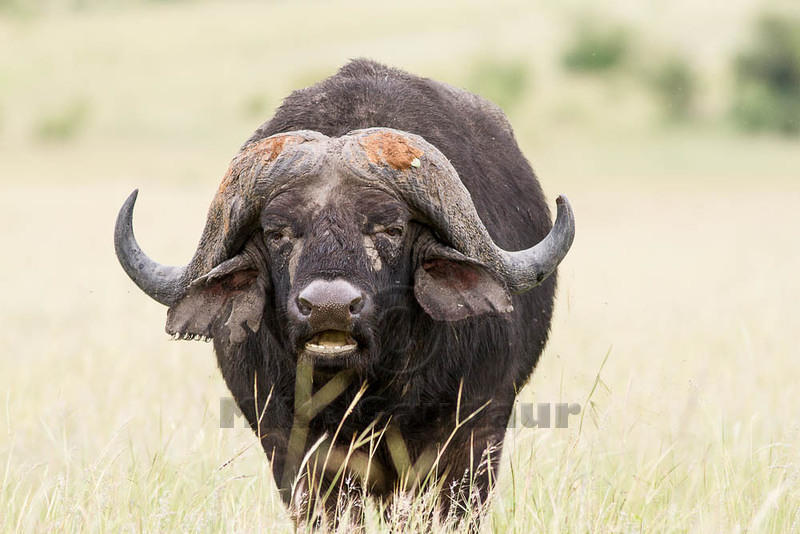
(683, 270)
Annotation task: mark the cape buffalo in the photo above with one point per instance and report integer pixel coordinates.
(377, 275)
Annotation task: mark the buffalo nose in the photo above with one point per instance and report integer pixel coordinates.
(330, 303)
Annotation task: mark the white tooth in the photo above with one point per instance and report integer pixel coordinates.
(329, 349)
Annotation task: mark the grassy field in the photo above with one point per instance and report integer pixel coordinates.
(683, 272)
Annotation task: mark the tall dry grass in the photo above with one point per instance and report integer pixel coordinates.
(683, 272)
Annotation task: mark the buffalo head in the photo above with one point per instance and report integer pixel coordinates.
(312, 234)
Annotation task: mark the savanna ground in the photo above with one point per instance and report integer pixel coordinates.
(683, 272)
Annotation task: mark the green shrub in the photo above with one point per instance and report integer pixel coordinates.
(64, 124)
(13, 8)
(502, 82)
(596, 49)
(767, 82)
(674, 84)
(256, 106)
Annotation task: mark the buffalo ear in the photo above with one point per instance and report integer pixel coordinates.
(450, 287)
(220, 303)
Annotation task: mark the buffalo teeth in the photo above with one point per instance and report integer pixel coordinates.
(331, 342)
(329, 349)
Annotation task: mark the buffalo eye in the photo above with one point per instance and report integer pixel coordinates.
(275, 237)
(394, 231)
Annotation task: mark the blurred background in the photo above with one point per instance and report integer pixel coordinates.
(673, 127)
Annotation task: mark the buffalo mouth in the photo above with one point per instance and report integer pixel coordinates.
(331, 343)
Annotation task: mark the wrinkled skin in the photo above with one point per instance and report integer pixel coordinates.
(330, 241)
(422, 357)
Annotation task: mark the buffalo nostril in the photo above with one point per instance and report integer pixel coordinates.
(356, 305)
(304, 306)
(330, 303)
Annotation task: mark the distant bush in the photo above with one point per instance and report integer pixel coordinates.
(64, 124)
(12, 7)
(503, 82)
(767, 87)
(596, 49)
(674, 84)
(256, 106)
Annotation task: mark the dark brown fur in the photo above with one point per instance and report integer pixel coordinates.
(414, 366)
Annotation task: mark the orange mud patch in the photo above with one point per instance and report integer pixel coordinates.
(391, 148)
(265, 150)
